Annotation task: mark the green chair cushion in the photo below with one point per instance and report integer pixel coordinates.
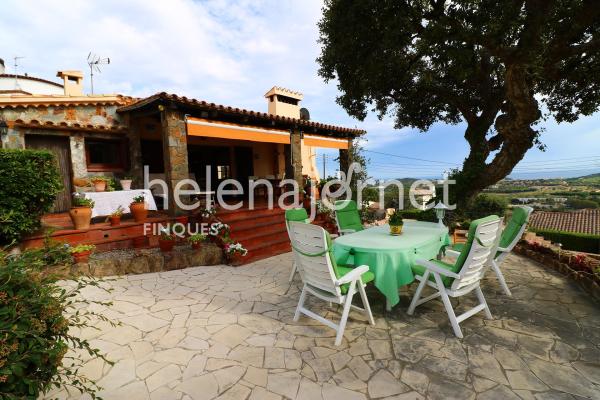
(347, 215)
(518, 218)
(447, 280)
(366, 277)
(296, 214)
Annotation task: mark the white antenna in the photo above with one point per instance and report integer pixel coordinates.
(94, 62)
(16, 65)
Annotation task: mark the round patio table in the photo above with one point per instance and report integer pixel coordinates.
(390, 258)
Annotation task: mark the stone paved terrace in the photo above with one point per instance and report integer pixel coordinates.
(227, 333)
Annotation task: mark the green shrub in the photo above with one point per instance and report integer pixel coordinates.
(29, 182)
(419, 215)
(486, 204)
(580, 204)
(37, 318)
(571, 240)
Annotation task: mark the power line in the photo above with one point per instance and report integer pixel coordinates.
(410, 158)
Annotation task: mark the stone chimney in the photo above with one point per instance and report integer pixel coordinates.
(284, 102)
(72, 82)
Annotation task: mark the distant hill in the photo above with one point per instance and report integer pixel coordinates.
(590, 179)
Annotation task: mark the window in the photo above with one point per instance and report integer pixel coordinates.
(223, 171)
(105, 155)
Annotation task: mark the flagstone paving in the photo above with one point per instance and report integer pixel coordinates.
(227, 333)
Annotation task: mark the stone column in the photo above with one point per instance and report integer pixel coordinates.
(345, 158)
(296, 150)
(78, 161)
(174, 138)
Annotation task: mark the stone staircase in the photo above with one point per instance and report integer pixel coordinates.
(261, 230)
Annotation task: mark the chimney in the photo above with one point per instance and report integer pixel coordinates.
(2, 68)
(72, 82)
(284, 102)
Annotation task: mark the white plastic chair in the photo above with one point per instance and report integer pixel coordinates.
(311, 248)
(297, 215)
(509, 238)
(458, 280)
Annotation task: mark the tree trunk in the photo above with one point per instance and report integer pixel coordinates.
(514, 127)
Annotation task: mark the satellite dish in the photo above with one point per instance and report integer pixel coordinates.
(304, 114)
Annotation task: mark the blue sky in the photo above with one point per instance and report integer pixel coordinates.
(232, 52)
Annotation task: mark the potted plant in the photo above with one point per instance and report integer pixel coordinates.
(396, 223)
(219, 233)
(138, 208)
(196, 240)
(81, 252)
(81, 212)
(126, 183)
(234, 252)
(166, 240)
(115, 216)
(99, 183)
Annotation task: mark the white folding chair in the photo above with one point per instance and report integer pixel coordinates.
(462, 277)
(297, 215)
(323, 279)
(511, 235)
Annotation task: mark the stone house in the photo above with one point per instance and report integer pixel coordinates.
(176, 137)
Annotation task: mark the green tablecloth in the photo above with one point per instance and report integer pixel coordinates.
(390, 257)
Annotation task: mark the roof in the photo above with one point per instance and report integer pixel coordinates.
(45, 100)
(64, 125)
(582, 221)
(248, 117)
(31, 78)
(284, 92)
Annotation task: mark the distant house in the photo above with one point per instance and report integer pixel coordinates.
(176, 136)
(582, 221)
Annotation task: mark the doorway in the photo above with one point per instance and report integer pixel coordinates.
(59, 146)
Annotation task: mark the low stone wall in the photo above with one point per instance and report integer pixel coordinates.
(551, 261)
(140, 261)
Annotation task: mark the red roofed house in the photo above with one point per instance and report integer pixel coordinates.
(582, 221)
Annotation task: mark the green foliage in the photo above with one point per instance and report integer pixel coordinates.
(579, 204)
(486, 204)
(79, 201)
(37, 318)
(396, 218)
(197, 238)
(419, 215)
(139, 199)
(571, 240)
(80, 248)
(29, 183)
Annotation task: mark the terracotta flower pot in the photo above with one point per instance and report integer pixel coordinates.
(126, 184)
(139, 211)
(99, 186)
(81, 217)
(395, 229)
(166, 245)
(197, 245)
(82, 256)
(115, 220)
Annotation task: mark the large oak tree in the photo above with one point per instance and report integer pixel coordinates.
(493, 64)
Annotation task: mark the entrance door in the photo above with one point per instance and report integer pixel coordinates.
(244, 165)
(59, 146)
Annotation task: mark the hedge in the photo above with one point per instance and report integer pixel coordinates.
(29, 183)
(570, 240)
(419, 215)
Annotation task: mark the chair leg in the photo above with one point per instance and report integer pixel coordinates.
(300, 304)
(417, 295)
(450, 312)
(347, 304)
(365, 301)
(500, 276)
(293, 272)
(481, 299)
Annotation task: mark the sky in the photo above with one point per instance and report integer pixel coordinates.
(232, 52)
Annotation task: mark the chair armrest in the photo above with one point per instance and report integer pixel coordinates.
(352, 275)
(452, 253)
(344, 231)
(434, 268)
(502, 249)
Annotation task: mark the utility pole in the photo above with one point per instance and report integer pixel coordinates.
(324, 158)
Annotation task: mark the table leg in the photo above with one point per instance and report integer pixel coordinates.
(388, 306)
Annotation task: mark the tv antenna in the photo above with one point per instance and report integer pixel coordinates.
(94, 62)
(16, 65)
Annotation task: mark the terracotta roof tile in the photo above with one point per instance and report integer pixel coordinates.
(234, 110)
(583, 221)
(34, 123)
(22, 100)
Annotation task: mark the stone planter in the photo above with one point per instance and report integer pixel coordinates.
(126, 184)
(81, 217)
(139, 211)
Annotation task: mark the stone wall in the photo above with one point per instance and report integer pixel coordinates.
(141, 261)
(174, 138)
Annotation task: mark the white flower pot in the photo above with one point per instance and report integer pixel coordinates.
(126, 184)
